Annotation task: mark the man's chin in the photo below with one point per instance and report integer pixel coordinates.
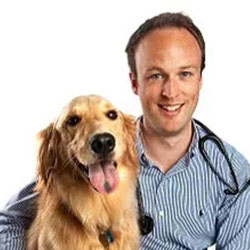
(166, 127)
(174, 128)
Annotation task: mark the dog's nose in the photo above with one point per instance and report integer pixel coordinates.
(102, 144)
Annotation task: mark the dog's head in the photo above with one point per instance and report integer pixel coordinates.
(90, 136)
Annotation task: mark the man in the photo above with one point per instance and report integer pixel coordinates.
(192, 204)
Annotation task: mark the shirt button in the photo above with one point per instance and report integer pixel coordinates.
(161, 213)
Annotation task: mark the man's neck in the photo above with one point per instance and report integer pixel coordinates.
(166, 150)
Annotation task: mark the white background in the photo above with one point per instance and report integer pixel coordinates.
(52, 51)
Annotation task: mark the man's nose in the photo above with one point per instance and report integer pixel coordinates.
(170, 88)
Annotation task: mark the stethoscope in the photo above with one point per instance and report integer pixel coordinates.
(146, 222)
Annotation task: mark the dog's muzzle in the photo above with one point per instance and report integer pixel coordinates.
(102, 174)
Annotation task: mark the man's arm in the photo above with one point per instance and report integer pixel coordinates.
(16, 218)
(233, 222)
(234, 225)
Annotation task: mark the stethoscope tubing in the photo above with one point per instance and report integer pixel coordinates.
(146, 223)
(213, 137)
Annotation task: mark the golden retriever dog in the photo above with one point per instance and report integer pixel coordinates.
(87, 171)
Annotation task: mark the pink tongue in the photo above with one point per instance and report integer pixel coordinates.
(103, 177)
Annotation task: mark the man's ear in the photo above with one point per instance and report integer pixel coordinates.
(134, 83)
(201, 82)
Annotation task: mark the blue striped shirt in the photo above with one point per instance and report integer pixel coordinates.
(188, 204)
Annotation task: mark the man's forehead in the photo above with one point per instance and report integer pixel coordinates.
(165, 46)
(172, 37)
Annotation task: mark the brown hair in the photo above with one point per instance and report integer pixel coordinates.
(164, 20)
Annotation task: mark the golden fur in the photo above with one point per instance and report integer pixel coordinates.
(72, 215)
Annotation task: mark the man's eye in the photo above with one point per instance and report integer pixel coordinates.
(73, 120)
(185, 74)
(157, 76)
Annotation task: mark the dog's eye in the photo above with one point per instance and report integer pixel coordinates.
(73, 120)
(112, 114)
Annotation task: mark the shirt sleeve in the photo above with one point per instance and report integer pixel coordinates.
(16, 218)
(233, 222)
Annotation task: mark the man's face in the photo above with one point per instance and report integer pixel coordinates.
(168, 81)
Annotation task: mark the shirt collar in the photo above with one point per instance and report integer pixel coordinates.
(139, 146)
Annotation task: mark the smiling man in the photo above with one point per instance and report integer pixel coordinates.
(193, 202)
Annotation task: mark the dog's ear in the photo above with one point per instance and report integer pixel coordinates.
(130, 137)
(130, 124)
(48, 153)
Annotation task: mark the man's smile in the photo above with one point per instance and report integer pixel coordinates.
(171, 109)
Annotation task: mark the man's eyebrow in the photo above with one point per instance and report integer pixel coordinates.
(154, 68)
(181, 67)
(188, 67)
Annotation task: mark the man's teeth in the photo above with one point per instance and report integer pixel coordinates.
(171, 108)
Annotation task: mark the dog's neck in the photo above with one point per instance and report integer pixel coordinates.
(105, 235)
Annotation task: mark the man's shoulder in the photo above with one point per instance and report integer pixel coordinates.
(218, 157)
(212, 142)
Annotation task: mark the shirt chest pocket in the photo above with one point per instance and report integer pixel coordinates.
(194, 220)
